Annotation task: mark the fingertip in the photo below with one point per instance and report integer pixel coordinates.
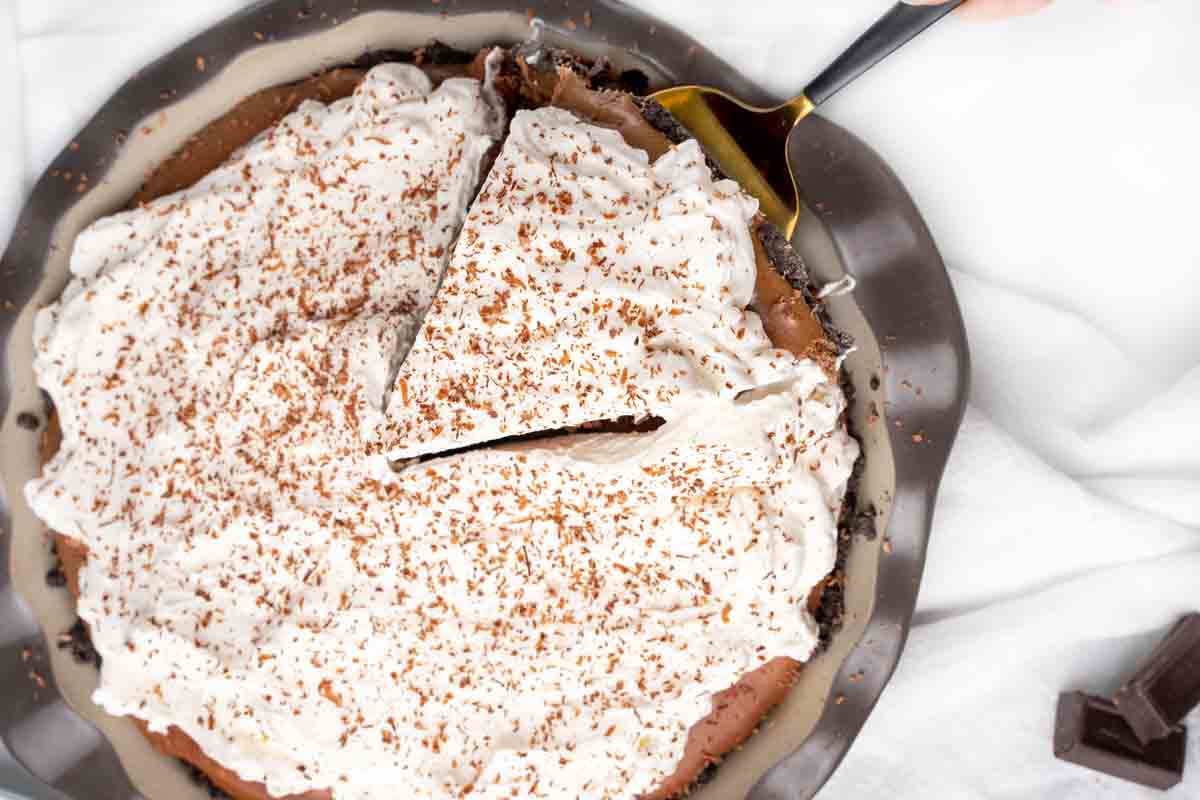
(1001, 9)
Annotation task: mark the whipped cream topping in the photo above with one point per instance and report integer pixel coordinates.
(588, 284)
(542, 619)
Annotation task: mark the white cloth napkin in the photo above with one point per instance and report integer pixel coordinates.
(1057, 161)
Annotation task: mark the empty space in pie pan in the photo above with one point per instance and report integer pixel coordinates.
(907, 375)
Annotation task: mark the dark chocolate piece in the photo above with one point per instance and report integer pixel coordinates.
(1167, 686)
(1090, 732)
(205, 783)
(55, 577)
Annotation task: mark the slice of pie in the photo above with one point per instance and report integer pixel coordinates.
(371, 485)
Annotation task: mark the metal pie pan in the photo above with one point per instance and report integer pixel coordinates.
(859, 220)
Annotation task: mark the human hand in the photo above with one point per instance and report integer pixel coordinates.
(992, 9)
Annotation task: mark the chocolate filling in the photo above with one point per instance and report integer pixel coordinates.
(621, 425)
(783, 300)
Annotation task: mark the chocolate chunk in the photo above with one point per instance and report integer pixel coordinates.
(1167, 686)
(78, 640)
(635, 81)
(1090, 732)
(863, 524)
(55, 577)
(201, 779)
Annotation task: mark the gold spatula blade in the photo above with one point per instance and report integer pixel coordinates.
(749, 143)
(746, 142)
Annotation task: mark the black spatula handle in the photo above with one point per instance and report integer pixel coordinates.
(892, 31)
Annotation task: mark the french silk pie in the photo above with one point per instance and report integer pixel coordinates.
(441, 432)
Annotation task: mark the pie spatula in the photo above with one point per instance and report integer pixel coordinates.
(746, 140)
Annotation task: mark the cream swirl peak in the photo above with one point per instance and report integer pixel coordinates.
(546, 619)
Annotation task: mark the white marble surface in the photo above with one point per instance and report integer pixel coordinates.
(1055, 158)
